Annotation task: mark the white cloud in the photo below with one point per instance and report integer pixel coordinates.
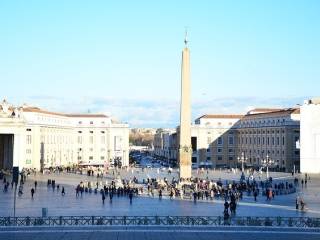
(148, 112)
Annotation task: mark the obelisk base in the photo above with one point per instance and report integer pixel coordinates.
(185, 172)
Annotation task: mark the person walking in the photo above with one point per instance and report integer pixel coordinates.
(35, 185)
(103, 197)
(130, 196)
(32, 192)
(111, 196)
(297, 202)
(194, 197)
(62, 191)
(226, 205)
(255, 194)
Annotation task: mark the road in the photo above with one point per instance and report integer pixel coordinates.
(141, 233)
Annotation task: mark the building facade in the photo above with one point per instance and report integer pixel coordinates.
(270, 134)
(223, 140)
(310, 136)
(34, 138)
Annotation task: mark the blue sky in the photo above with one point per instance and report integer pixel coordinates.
(123, 58)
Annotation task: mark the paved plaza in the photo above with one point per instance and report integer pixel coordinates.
(90, 204)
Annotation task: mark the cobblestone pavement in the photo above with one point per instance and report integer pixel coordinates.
(141, 233)
(91, 204)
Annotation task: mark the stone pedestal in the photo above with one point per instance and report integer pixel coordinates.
(185, 164)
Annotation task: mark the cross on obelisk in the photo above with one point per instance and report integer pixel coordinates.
(185, 149)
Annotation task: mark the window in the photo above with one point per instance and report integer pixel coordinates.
(230, 150)
(283, 141)
(28, 151)
(91, 158)
(91, 149)
(231, 140)
(91, 122)
(102, 157)
(28, 130)
(102, 131)
(219, 150)
(79, 131)
(208, 149)
(80, 122)
(297, 152)
(278, 141)
(219, 140)
(230, 158)
(219, 158)
(208, 158)
(91, 131)
(28, 139)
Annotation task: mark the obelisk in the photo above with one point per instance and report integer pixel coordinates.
(185, 149)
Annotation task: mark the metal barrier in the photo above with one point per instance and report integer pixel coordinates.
(304, 222)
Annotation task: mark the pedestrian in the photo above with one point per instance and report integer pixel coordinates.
(195, 197)
(297, 202)
(35, 185)
(226, 205)
(103, 197)
(302, 204)
(32, 192)
(255, 194)
(130, 196)
(111, 196)
(226, 217)
(160, 194)
(305, 182)
(62, 191)
(77, 190)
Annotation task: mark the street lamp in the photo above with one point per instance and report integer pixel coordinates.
(242, 159)
(267, 162)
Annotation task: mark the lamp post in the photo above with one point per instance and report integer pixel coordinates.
(242, 159)
(267, 162)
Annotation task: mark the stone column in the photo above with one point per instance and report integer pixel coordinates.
(18, 151)
(185, 149)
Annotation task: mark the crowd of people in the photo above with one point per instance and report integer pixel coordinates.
(196, 189)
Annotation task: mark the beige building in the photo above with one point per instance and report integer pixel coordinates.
(270, 133)
(34, 138)
(214, 140)
(223, 140)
